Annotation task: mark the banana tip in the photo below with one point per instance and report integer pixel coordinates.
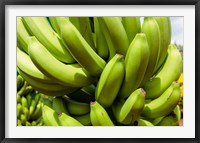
(143, 91)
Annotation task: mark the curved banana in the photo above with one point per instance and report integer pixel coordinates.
(164, 25)
(143, 122)
(151, 29)
(66, 120)
(101, 43)
(132, 27)
(20, 82)
(136, 62)
(128, 111)
(25, 64)
(22, 35)
(50, 117)
(84, 119)
(68, 75)
(99, 116)
(43, 86)
(59, 106)
(77, 108)
(79, 48)
(86, 31)
(169, 120)
(170, 72)
(42, 30)
(105, 31)
(164, 104)
(117, 34)
(110, 81)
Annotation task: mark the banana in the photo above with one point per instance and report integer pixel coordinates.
(79, 48)
(110, 81)
(169, 120)
(170, 72)
(66, 120)
(23, 119)
(50, 117)
(41, 29)
(164, 104)
(85, 94)
(136, 63)
(177, 112)
(46, 101)
(59, 106)
(84, 119)
(102, 48)
(24, 102)
(38, 112)
(25, 64)
(19, 110)
(46, 86)
(164, 24)
(77, 108)
(75, 22)
(99, 116)
(20, 82)
(105, 31)
(86, 31)
(22, 90)
(151, 29)
(117, 34)
(128, 111)
(22, 35)
(25, 111)
(34, 102)
(68, 75)
(143, 122)
(18, 98)
(132, 26)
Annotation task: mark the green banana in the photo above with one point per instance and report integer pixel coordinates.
(54, 87)
(99, 116)
(22, 35)
(68, 75)
(22, 90)
(86, 31)
(117, 34)
(46, 101)
(136, 63)
(164, 104)
(169, 120)
(75, 22)
(110, 81)
(128, 111)
(19, 110)
(132, 26)
(20, 82)
(50, 117)
(34, 102)
(143, 122)
(164, 24)
(170, 72)
(59, 105)
(38, 111)
(151, 29)
(24, 102)
(105, 31)
(66, 120)
(41, 29)
(25, 64)
(101, 44)
(84, 119)
(77, 108)
(79, 48)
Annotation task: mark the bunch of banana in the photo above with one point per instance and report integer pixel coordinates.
(101, 71)
(29, 106)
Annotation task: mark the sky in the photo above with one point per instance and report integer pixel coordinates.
(177, 29)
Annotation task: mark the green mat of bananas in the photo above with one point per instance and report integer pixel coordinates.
(98, 71)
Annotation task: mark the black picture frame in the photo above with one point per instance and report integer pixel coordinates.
(3, 4)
